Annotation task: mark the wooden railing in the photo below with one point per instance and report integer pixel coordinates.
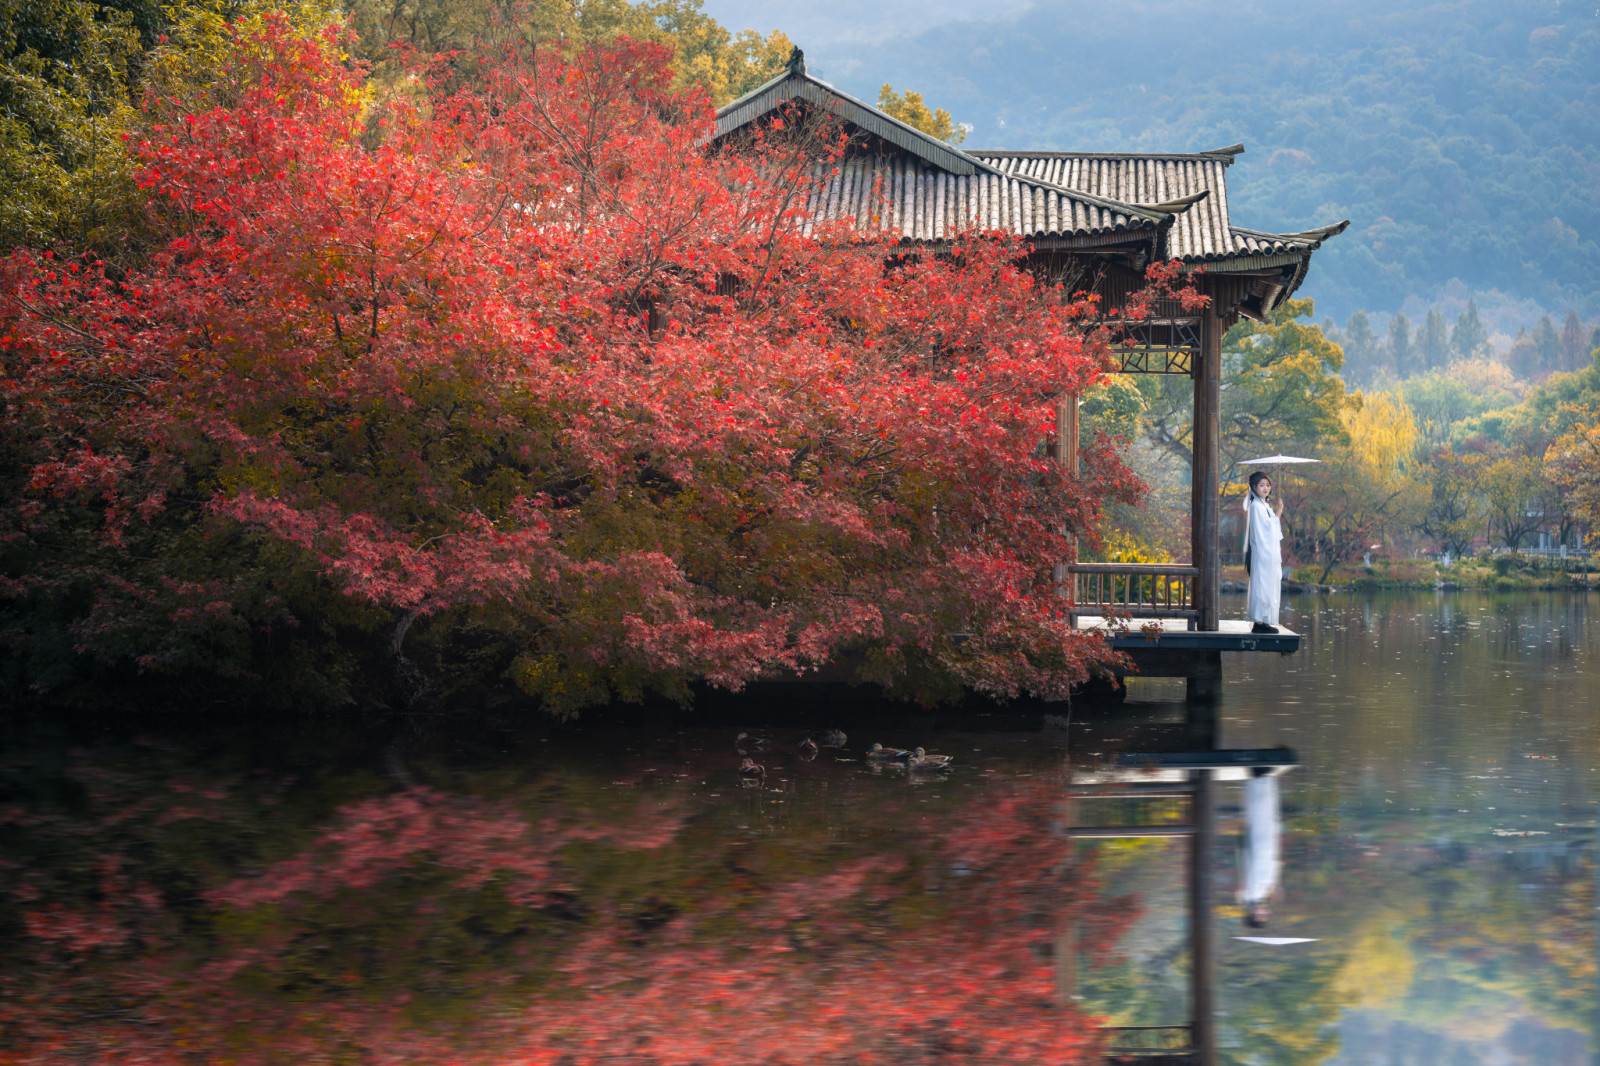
(1139, 590)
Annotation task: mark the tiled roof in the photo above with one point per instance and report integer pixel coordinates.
(929, 190)
(1201, 234)
(934, 189)
(927, 203)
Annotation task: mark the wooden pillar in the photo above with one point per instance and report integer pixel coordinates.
(1205, 472)
(1204, 679)
(1202, 937)
(1067, 432)
(1066, 453)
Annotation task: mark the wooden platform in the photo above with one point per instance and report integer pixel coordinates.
(1231, 635)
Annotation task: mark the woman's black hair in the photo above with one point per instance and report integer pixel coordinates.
(1257, 477)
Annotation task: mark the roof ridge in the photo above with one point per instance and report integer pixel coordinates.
(1224, 155)
(802, 75)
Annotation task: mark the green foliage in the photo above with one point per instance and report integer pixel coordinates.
(1112, 407)
(1444, 399)
(727, 64)
(66, 76)
(909, 108)
(1280, 390)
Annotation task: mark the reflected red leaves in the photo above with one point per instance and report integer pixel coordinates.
(425, 927)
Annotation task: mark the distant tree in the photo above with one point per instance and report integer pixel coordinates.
(1594, 339)
(1548, 344)
(1362, 349)
(1455, 510)
(1400, 344)
(1433, 339)
(1525, 358)
(1573, 464)
(1443, 400)
(1469, 339)
(66, 77)
(1363, 488)
(909, 108)
(1572, 354)
(1513, 486)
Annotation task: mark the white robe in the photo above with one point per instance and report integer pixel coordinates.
(1263, 534)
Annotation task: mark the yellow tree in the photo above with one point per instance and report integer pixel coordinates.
(1514, 487)
(1454, 511)
(1572, 464)
(1365, 488)
(909, 108)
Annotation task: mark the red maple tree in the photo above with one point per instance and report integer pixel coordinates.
(540, 362)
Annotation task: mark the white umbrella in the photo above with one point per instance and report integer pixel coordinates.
(1276, 461)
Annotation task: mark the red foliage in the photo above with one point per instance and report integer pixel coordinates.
(540, 351)
(938, 947)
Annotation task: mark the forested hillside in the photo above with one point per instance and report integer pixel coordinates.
(1461, 138)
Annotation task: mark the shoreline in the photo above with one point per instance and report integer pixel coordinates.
(1425, 576)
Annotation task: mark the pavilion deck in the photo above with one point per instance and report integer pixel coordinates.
(1174, 634)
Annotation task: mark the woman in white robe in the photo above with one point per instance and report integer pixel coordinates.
(1263, 536)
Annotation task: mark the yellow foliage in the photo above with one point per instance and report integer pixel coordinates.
(1380, 966)
(1486, 377)
(1383, 434)
(909, 108)
(1124, 547)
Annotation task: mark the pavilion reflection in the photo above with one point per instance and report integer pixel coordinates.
(1159, 781)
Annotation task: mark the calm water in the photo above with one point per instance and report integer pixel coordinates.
(453, 890)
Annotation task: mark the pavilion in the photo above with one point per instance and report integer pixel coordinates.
(1094, 220)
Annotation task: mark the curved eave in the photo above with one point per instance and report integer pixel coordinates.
(1257, 250)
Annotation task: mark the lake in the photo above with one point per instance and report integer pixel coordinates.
(471, 889)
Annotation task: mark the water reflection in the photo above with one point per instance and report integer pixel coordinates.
(561, 905)
(463, 892)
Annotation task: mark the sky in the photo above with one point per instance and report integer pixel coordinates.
(816, 24)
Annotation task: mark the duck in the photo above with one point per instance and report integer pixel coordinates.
(879, 753)
(919, 759)
(751, 770)
(808, 749)
(833, 738)
(750, 741)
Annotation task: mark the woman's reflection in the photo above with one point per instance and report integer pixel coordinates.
(1261, 863)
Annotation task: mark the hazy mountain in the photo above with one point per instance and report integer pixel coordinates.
(1462, 138)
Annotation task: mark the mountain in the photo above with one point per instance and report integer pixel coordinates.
(1462, 138)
